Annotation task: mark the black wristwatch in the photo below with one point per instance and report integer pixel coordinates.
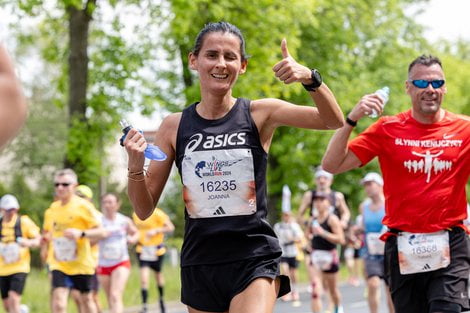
(316, 81)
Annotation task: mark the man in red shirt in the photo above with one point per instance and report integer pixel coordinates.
(424, 155)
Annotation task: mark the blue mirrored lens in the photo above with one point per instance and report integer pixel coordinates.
(421, 83)
(437, 83)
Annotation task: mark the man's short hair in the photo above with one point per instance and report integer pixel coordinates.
(426, 60)
(67, 172)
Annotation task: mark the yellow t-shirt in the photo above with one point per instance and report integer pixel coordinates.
(14, 258)
(72, 257)
(156, 220)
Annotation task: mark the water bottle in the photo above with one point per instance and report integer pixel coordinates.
(152, 152)
(383, 93)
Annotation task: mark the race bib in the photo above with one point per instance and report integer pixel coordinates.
(149, 253)
(219, 183)
(10, 252)
(112, 250)
(375, 246)
(65, 249)
(323, 259)
(418, 253)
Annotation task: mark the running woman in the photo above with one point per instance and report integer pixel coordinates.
(113, 263)
(230, 255)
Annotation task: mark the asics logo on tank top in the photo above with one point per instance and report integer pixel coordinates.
(430, 157)
(214, 142)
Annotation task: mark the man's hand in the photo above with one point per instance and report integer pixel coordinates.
(72, 233)
(365, 106)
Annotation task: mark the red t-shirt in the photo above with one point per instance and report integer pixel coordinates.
(425, 169)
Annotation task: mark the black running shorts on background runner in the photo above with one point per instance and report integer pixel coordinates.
(412, 293)
(14, 282)
(154, 265)
(82, 283)
(212, 287)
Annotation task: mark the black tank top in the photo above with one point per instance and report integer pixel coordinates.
(223, 170)
(320, 243)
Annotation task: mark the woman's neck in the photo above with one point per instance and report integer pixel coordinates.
(214, 107)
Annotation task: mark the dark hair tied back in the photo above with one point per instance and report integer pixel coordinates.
(223, 27)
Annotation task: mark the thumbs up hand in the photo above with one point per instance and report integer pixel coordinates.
(288, 70)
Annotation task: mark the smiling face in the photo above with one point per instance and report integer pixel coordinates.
(219, 62)
(426, 101)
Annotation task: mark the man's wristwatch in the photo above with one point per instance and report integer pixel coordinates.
(316, 81)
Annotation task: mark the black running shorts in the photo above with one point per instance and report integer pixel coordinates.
(212, 287)
(413, 293)
(82, 283)
(154, 265)
(14, 282)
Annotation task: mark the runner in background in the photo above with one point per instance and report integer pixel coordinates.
(69, 223)
(290, 235)
(18, 233)
(338, 207)
(323, 182)
(373, 210)
(85, 192)
(150, 251)
(114, 264)
(326, 232)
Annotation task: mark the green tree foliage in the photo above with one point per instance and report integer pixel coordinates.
(358, 46)
(102, 72)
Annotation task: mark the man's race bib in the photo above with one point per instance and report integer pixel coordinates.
(419, 253)
(10, 252)
(65, 249)
(375, 246)
(323, 259)
(219, 183)
(149, 253)
(112, 250)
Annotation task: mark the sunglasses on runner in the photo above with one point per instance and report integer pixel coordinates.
(62, 184)
(421, 83)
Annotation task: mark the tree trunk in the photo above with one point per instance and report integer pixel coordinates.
(79, 20)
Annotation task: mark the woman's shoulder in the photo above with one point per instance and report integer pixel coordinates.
(171, 122)
(268, 102)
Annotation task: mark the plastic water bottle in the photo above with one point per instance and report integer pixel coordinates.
(383, 93)
(152, 152)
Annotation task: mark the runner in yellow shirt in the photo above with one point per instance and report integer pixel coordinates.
(17, 235)
(150, 251)
(85, 192)
(70, 223)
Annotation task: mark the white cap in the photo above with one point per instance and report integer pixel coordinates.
(9, 202)
(372, 176)
(322, 173)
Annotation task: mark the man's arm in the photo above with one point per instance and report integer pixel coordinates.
(338, 158)
(13, 108)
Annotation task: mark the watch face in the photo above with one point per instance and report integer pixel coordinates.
(316, 77)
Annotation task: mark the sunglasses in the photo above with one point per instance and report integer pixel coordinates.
(62, 184)
(421, 83)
